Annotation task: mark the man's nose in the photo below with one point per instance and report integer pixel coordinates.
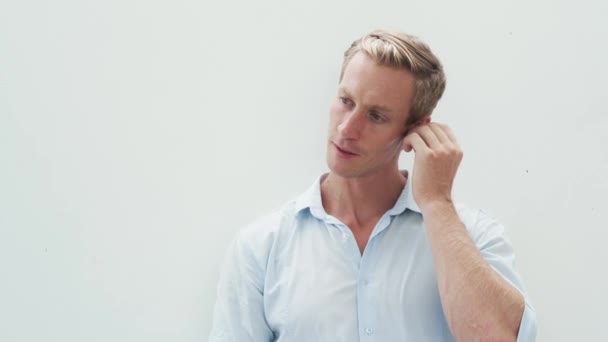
(351, 124)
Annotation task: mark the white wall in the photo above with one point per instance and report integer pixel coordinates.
(136, 137)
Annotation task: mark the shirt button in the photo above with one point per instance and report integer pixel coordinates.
(369, 331)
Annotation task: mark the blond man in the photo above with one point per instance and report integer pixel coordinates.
(371, 252)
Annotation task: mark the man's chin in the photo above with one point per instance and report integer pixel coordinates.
(344, 170)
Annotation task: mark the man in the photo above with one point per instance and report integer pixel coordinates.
(369, 252)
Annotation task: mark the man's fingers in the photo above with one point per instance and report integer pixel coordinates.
(413, 141)
(439, 131)
(429, 136)
(448, 131)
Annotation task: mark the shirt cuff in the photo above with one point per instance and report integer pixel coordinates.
(527, 327)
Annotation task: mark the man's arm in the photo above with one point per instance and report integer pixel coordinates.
(478, 303)
(238, 314)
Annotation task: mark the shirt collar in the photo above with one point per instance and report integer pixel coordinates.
(311, 198)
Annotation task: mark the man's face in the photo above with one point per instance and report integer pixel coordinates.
(367, 118)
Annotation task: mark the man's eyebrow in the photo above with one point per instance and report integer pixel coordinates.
(372, 106)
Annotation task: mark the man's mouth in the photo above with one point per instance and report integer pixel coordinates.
(345, 151)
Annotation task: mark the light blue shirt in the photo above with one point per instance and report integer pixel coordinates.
(297, 275)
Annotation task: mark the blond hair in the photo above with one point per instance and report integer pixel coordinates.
(401, 50)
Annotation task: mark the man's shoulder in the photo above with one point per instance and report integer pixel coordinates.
(264, 229)
(479, 222)
(474, 215)
(467, 214)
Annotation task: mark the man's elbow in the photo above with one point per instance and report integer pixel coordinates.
(497, 335)
(492, 330)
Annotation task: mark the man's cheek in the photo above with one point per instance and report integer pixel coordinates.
(396, 145)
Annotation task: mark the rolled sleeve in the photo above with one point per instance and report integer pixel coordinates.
(497, 250)
(527, 327)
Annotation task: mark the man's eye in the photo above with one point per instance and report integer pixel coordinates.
(375, 116)
(344, 100)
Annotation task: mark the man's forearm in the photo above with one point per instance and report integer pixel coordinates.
(478, 303)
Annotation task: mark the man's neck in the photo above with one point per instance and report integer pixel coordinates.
(361, 200)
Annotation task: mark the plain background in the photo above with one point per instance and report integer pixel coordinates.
(136, 138)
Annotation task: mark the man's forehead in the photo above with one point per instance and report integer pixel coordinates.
(377, 85)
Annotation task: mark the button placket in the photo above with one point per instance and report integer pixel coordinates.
(366, 294)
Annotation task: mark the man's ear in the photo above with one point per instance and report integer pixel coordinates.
(422, 121)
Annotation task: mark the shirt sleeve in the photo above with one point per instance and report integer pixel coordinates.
(497, 250)
(238, 314)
